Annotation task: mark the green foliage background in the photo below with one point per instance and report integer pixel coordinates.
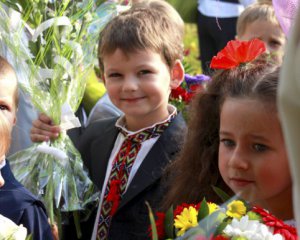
(186, 8)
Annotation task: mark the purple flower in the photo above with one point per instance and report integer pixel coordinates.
(197, 79)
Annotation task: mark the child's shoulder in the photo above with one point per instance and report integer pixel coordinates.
(14, 196)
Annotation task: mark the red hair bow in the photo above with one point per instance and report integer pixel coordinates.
(237, 52)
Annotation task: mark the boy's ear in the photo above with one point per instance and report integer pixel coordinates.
(177, 74)
(103, 78)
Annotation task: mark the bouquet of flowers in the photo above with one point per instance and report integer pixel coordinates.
(181, 96)
(53, 45)
(10, 231)
(235, 220)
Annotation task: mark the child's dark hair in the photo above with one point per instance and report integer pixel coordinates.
(142, 29)
(195, 171)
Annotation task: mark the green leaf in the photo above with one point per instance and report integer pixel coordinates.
(223, 195)
(203, 211)
(29, 237)
(152, 221)
(220, 228)
(169, 222)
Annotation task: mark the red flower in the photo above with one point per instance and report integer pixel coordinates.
(287, 231)
(220, 237)
(186, 52)
(180, 92)
(159, 222)
(237, 52)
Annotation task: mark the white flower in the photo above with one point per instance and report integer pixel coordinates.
(250, 229)
(9, 230)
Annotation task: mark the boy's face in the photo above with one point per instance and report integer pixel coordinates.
(270, 33)
(8, 85)
(139, 84)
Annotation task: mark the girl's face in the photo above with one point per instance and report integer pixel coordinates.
(252, 157)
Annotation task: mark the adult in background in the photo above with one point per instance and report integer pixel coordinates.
(216, 26)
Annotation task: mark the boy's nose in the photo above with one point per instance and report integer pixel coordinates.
(130, 84)
(238, 159)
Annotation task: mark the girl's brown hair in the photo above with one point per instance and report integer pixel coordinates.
(195, 171)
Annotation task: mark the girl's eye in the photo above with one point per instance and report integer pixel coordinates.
(227, 142)
(3, 107)
(260, 147)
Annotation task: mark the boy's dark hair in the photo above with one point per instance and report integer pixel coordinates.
(5, 69)
(195, 171)
(142, 29)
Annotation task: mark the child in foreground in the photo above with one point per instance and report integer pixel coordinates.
(16, 202)
(139, 56)
(235, 136)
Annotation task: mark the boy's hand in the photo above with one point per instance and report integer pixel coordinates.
(43, 129)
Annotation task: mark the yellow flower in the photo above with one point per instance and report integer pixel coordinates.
(212, 207)
(236, 209)
(186, 220)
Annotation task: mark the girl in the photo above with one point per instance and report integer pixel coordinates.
(234, 127)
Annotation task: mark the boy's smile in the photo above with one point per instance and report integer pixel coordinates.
(139, 84)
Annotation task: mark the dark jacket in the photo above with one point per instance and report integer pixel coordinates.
(131, 220)
(22, 207)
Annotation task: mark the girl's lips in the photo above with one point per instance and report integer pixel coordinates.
(239, 182)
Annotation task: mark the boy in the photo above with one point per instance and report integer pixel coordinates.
(16, 202)
(259, 21)
(139, 57)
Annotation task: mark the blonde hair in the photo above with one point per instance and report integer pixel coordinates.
(5, 134)
(142, 28)
(263, 11)
(5, 69)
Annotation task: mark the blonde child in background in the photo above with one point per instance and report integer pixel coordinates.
(258, 20)
(16, 202)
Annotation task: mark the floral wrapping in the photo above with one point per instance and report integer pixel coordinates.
(54, 48)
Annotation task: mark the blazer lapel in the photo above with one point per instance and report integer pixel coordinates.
(103, 147)
(156, 160)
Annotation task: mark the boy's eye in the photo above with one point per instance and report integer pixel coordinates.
(114, 75)
(227, 142)
(260, 147)
(275, 44)
(144, 72)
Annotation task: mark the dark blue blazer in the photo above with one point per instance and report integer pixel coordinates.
(20, 206)
(131, 220)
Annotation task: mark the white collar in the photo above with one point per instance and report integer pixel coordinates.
(121, 123)
(2, 163)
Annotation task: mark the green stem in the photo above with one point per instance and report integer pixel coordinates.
(77, 223)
